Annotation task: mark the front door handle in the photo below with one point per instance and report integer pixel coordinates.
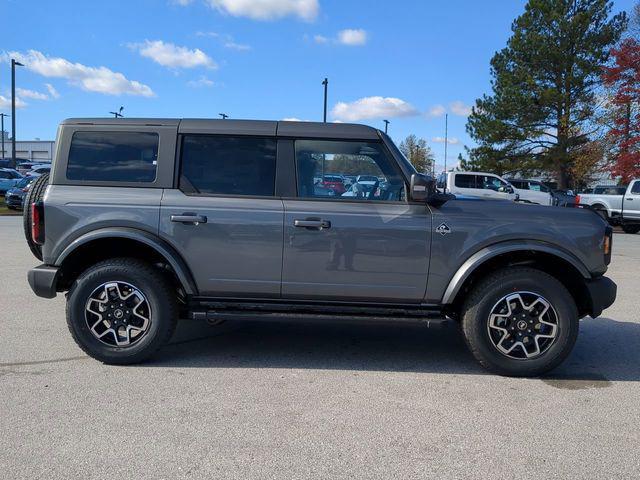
(629, 199)
(189, 219)
(312, 224)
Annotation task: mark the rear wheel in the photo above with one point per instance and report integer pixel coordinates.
(35, 194)
(520, 322)
(631, 228)
(120, 311)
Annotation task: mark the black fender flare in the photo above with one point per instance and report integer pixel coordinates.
(176, 262)
(492, 251)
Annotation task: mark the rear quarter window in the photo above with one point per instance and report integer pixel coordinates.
(113, 156)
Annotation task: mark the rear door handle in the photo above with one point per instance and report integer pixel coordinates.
(629, 199)
(189, 219)
(312, 224)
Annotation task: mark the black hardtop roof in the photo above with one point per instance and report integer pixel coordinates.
(243, 127)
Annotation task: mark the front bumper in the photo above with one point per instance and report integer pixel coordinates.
(602, 293)
(43, 280)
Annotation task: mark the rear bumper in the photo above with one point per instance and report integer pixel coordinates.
(602, 292)
(42, 280)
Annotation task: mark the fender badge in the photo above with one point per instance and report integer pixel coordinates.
(443, 229)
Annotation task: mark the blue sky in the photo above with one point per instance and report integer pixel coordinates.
(408, 61)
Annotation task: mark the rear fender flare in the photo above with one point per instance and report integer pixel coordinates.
(166, 251)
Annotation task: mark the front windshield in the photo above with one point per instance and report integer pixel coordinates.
(24, 182)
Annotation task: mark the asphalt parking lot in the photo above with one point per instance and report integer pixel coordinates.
(278, 400)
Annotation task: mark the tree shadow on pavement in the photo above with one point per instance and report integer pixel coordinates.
(606, 350)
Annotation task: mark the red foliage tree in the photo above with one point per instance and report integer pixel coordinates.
(623, 78)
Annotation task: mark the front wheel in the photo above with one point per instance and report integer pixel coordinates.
(520, 322)
(120, 311)
(631, 229)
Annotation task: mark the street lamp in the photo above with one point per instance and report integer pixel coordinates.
(14, 64)
(118, 114)
(386, 126)
(2, 115)
(326, 86)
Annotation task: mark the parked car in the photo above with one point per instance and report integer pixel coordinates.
(15, 196)
(564, 198)
(38, 170)
(8, 179)
(532, 191)
(139, 240)
(23, 165)
(335, 183)
(477, 184)
(617, 205)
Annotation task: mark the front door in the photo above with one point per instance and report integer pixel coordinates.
(225, 219)
(632, 202)
(366, 244)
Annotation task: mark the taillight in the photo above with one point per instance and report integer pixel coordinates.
(37, 223)
(577, 199)
(608, 245)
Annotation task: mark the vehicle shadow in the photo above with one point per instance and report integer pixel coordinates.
(607, 350)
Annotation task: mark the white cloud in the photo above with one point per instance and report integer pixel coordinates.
(240, 47)
(436, 111)
(352, 37)
(450, 140)
(320, 39)
(53, 93)
(182, 3)
(201, 82)
(23, 92)
(173, 56)
(6, 103)
(373, 107)
(460, 108)
(291, 119)
(267, 9)
(91, 79)
(227, 41)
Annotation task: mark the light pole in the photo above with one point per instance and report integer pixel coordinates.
(386, 126)
(326, 86)
(117, 114)
(224, 116)
(2, 115)
(14, 64)
(446, 142)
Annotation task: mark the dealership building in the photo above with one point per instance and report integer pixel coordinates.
(32, 150)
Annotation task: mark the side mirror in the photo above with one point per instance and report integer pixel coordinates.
(422, 187)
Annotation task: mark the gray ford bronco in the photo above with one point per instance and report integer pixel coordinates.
(145, 221)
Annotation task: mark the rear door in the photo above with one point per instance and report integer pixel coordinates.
(631, 209)
(371, 246)
(225, 218)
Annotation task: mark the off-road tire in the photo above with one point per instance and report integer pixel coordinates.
(478, 306)
(632, 229)
(158, 291)
(35, 194)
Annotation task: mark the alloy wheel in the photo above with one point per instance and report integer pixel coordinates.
(118, 314)
(523, 325)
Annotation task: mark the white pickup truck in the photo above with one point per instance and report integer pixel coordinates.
(616, 205)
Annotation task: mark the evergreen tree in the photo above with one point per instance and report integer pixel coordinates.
(544, 86)
(418, 153)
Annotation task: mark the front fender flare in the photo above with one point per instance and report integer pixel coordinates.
(165, 250)
(492, 251)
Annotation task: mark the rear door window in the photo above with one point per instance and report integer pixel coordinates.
(222, 165)
(113, 156)
(465, 181)
(636, 188)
